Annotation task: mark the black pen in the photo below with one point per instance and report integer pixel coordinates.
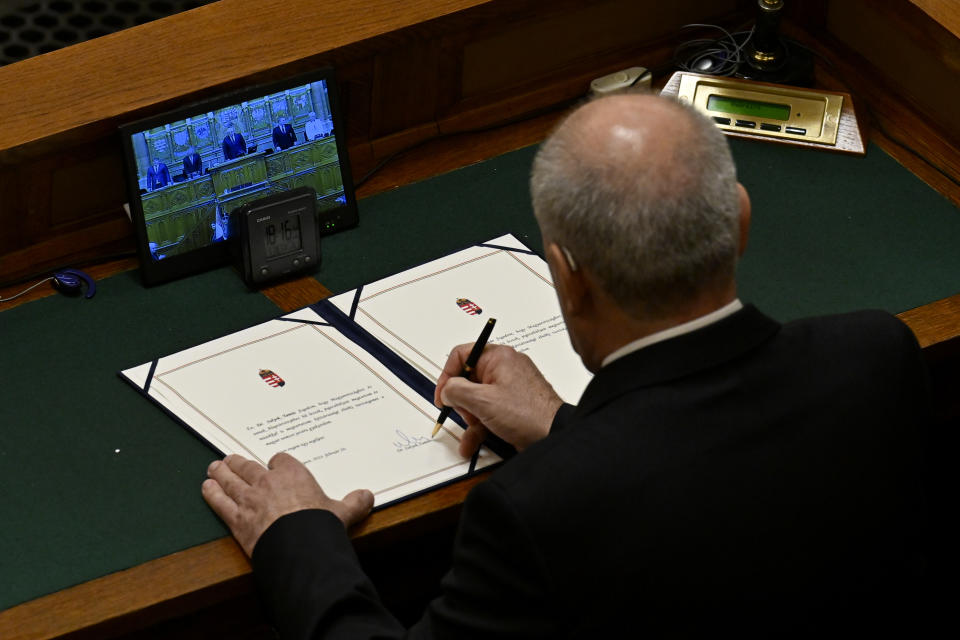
(468, 367)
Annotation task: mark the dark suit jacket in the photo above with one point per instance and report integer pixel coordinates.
(158, 177)
(746, 478)
(283, 138)
(234, 146)
(192, 164)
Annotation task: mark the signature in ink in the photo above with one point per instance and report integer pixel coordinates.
(405, 442)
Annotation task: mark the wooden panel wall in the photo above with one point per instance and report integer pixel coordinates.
(945, 12)
(919, 57)
(408, 70)
(903, 68)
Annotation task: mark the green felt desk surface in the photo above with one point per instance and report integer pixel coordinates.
(95, 479)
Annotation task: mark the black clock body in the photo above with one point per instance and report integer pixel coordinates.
(276, 237)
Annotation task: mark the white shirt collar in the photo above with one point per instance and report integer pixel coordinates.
(673, 332)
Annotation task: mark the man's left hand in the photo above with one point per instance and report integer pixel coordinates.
(250, 498)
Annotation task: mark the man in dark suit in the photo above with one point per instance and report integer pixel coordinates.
(158, 176)
(234, 145)
(284, 136)
(722, 473)
(192, 164)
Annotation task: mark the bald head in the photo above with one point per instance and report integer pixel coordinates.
(642, 192)
(626, 129)
(630, 134)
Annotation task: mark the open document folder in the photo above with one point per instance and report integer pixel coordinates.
(346, 385)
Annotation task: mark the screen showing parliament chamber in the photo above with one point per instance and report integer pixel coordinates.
(193, 171)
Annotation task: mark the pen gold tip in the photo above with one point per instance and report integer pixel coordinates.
(436, 428)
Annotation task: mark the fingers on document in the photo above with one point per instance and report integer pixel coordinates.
(282, 459)
(248, 470)
(355, 506)
(226, 476)
(222, 504)
(471, 440)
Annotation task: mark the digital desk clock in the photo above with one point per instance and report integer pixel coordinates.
(276, 236)
(769, 110)
(791, 115)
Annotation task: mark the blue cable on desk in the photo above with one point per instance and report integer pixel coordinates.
(67, 281)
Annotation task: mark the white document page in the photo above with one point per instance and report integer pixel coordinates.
(307, 390)
(423, 312)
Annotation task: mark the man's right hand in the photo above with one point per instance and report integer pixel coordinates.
(511, 398)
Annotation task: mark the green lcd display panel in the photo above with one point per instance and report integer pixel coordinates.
(742, 107)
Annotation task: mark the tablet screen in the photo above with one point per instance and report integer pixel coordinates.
(190, 168)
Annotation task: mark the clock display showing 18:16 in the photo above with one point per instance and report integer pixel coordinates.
(286, 239)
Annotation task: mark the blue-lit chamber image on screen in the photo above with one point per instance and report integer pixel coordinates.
(192, 173)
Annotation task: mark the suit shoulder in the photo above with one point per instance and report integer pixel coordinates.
(873, 345)
(868, 327)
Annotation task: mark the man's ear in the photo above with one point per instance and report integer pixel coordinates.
(745, 212)
(568, 278)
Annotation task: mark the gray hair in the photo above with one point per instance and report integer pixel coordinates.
(655, 232)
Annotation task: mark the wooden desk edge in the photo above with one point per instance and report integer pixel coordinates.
(59, 102)
(188, 580)
(936, 325)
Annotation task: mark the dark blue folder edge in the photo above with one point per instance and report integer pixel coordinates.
(407, 373)
(363, 339)
(302, 321)
(511, 249)
(153, 369)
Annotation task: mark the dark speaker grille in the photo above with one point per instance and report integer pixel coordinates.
(28, 29)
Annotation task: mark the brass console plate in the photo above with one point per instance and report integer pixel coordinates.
(801, 114)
